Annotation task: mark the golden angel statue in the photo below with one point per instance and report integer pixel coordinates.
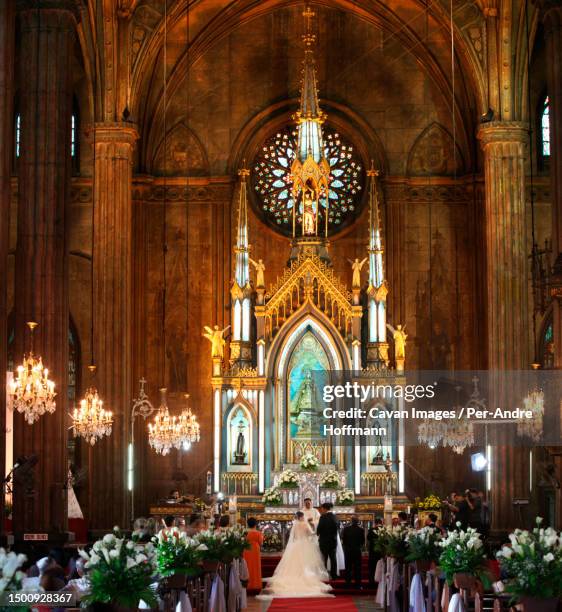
(399, 336)
(356, 265)
(215, 336)
(260, 269)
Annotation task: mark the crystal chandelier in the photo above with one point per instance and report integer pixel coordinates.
(430, 432)
(31, 392)
(190, 430)
(165, 432)
(532, 428)
(91, 421)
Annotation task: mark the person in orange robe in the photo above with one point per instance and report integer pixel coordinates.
(253, 555)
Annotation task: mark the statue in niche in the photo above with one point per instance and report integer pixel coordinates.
(240, 452)
(305, 414)
(309, 205)
(377, 457)
(240, 448)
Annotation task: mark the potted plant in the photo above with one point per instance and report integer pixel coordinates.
(272, 541)
(120, 572)
(330, 480)
(345, 497)
(272, 497)
(462, 558)
(533, 566)
(288, 479)
(178, 554)
(309, 462)
(395, 541)
(423, 547)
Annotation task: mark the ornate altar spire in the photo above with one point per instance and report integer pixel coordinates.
(242, 273)
(310, 170)
(241, 291)
(377, 347)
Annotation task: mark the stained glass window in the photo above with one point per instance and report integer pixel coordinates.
(545, 128)
(271, 179)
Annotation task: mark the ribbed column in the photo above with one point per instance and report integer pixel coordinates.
(47, 30)
(508, 323)
(506, 268)
(6, 158)
(113, 284)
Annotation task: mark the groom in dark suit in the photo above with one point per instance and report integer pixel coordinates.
(327, 532)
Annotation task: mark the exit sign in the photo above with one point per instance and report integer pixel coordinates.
(35, 537)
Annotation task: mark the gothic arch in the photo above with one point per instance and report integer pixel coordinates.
(432, 154)
(185, 155)
(308, 316)
(237, 405)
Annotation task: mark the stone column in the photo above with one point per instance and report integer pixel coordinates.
(113, 303)
(47, 38)
(6, 159)
(508, 322)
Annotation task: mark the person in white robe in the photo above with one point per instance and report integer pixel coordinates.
(311, 514)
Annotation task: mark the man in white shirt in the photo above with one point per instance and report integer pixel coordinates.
(311, 515)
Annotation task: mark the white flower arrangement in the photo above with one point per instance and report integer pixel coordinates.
(423, 544)
(120, 571)
(272, 497)
(309, 462)
(10, 577)
(533, 563)
(345, 497)
(330, 480)
(288, 479)
(463, 553)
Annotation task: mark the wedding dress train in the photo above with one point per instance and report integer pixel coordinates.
(301, 571)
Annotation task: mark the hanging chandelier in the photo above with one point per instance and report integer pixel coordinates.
(31, 392)
(532, 427)
(165, 432)
(91, 421)
(190, 430)
(430, 432)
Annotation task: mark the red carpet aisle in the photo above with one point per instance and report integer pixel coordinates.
(269, 563)
(314, 604)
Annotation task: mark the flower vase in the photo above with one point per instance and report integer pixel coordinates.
(175, 581)
(210, 566)
(534, 604)
(423, 565)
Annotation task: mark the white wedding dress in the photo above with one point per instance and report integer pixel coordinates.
(301, 571)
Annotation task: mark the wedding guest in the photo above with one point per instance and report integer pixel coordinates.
(353, 540)
(475, 509)
(327, 531)
(168, 522)
(191, 529)
(224, 522)
(79, 586)
(374, 556)
(253, 555)
(403, 518)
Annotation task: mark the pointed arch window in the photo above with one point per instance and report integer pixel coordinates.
(545, 128)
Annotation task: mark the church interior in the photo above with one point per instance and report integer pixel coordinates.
(213, 208)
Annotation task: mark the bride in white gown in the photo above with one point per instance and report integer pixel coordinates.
(301, 571)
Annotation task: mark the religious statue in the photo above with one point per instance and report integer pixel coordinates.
(309, 212)
(260, 269)
(304, 415)
(240, 452)
(399, 336)
(215, 336)
(356, 266)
